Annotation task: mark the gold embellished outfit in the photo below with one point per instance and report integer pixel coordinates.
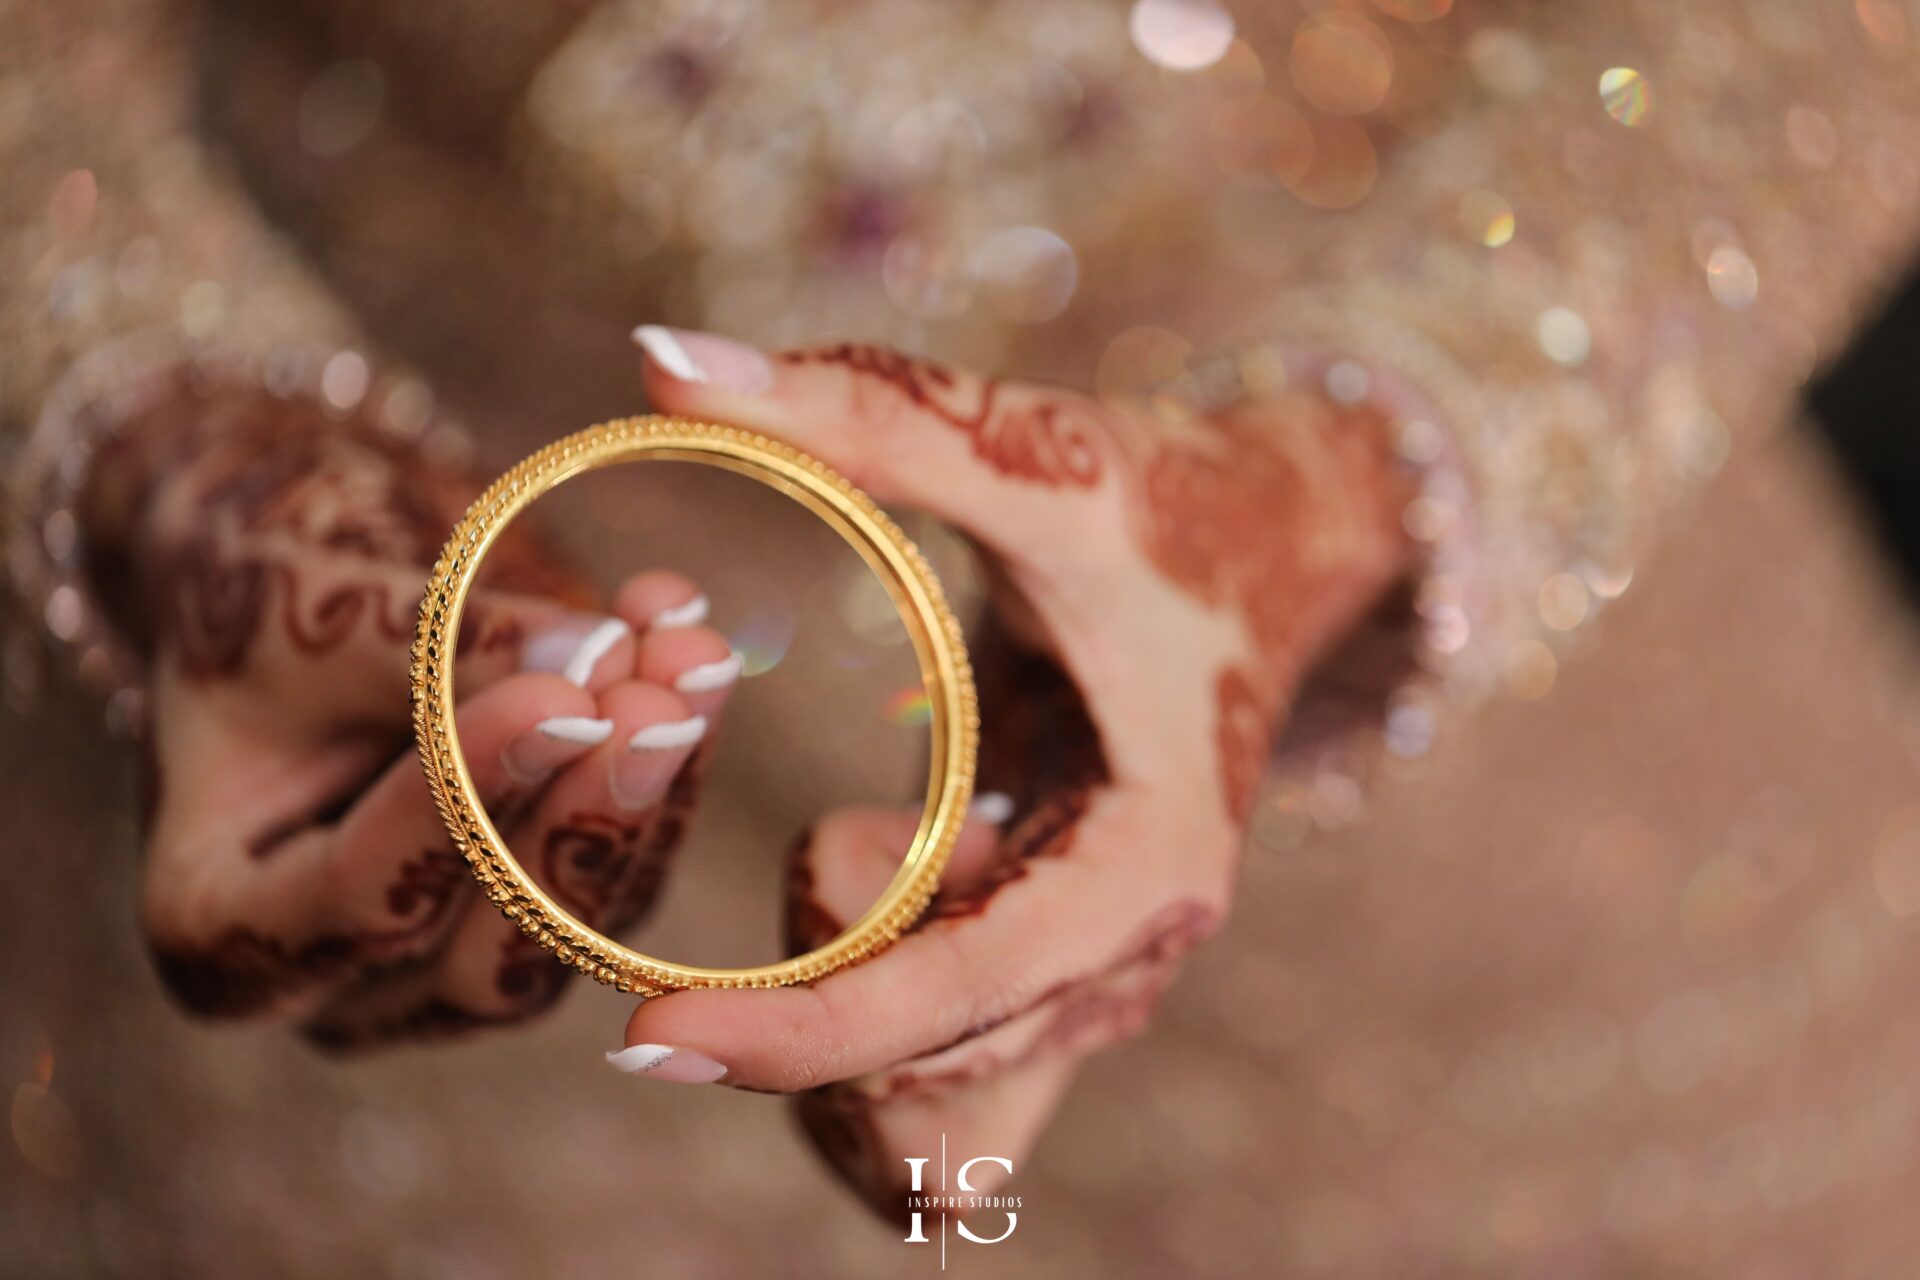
(1581, 245)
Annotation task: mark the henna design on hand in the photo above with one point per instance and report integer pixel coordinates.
(529, 977)
(1040, 749)
(584, 860)
(423, 894)
(1049, 441)
(245, 971)
(1112, 1004)
(1235, 521)
(260, 483)
(1085, 1015)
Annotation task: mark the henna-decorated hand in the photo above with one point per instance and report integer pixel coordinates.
(268, 561)
(1160, 589)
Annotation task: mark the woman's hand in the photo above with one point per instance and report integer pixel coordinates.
(1161, 586)
(268, 559)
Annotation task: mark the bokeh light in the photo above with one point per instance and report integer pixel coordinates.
(1181, 35)
(1260, 140)
(340, 106)
(1487, 218)
(1564, 336)
(1140, 361)
(1343, 169)
(1626, 95)
(908, 708)
(1028, 274)
(1341, 63)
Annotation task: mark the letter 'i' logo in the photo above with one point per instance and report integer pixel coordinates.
(918, 1164)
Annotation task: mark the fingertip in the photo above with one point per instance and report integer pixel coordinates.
(635, 704)
(588, 651)
(974, 852)
(660, 599)
(655, 731)
(687, 359)
(510, 712)
(519, 701)
(695, 662)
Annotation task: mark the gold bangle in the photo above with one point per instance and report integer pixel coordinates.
(930, 623)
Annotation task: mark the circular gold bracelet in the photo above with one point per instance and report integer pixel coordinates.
(916, 593)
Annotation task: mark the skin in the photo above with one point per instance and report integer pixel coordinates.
(268, 560)
(1161, 586)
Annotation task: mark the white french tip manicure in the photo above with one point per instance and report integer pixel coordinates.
(709, 676)
(579, 668)
(638, 1059)
(660, 343)
(584, 730)
(665, 1062)
(669, 735)
(991, 807)
(690, 614)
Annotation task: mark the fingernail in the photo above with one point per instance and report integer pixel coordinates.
(573, 648)
(533, 756)
(706, 358)
(690, 614)
(669, 734)
(709, 676)
(664, 1062)
(639, 776)
(991, 807)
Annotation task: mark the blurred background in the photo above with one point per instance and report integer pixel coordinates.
(1615, 980)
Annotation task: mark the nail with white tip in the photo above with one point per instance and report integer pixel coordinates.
(666, 1062)
(706, 358)
(531, 757)
(639, 776)
(663, 344)
(573, 648)
(690, 614)
(579, 668)
(709, 676)
(669, 735)
(991, 807)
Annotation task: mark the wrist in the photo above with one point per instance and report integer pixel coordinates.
(144, 449)
(1364, 617)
